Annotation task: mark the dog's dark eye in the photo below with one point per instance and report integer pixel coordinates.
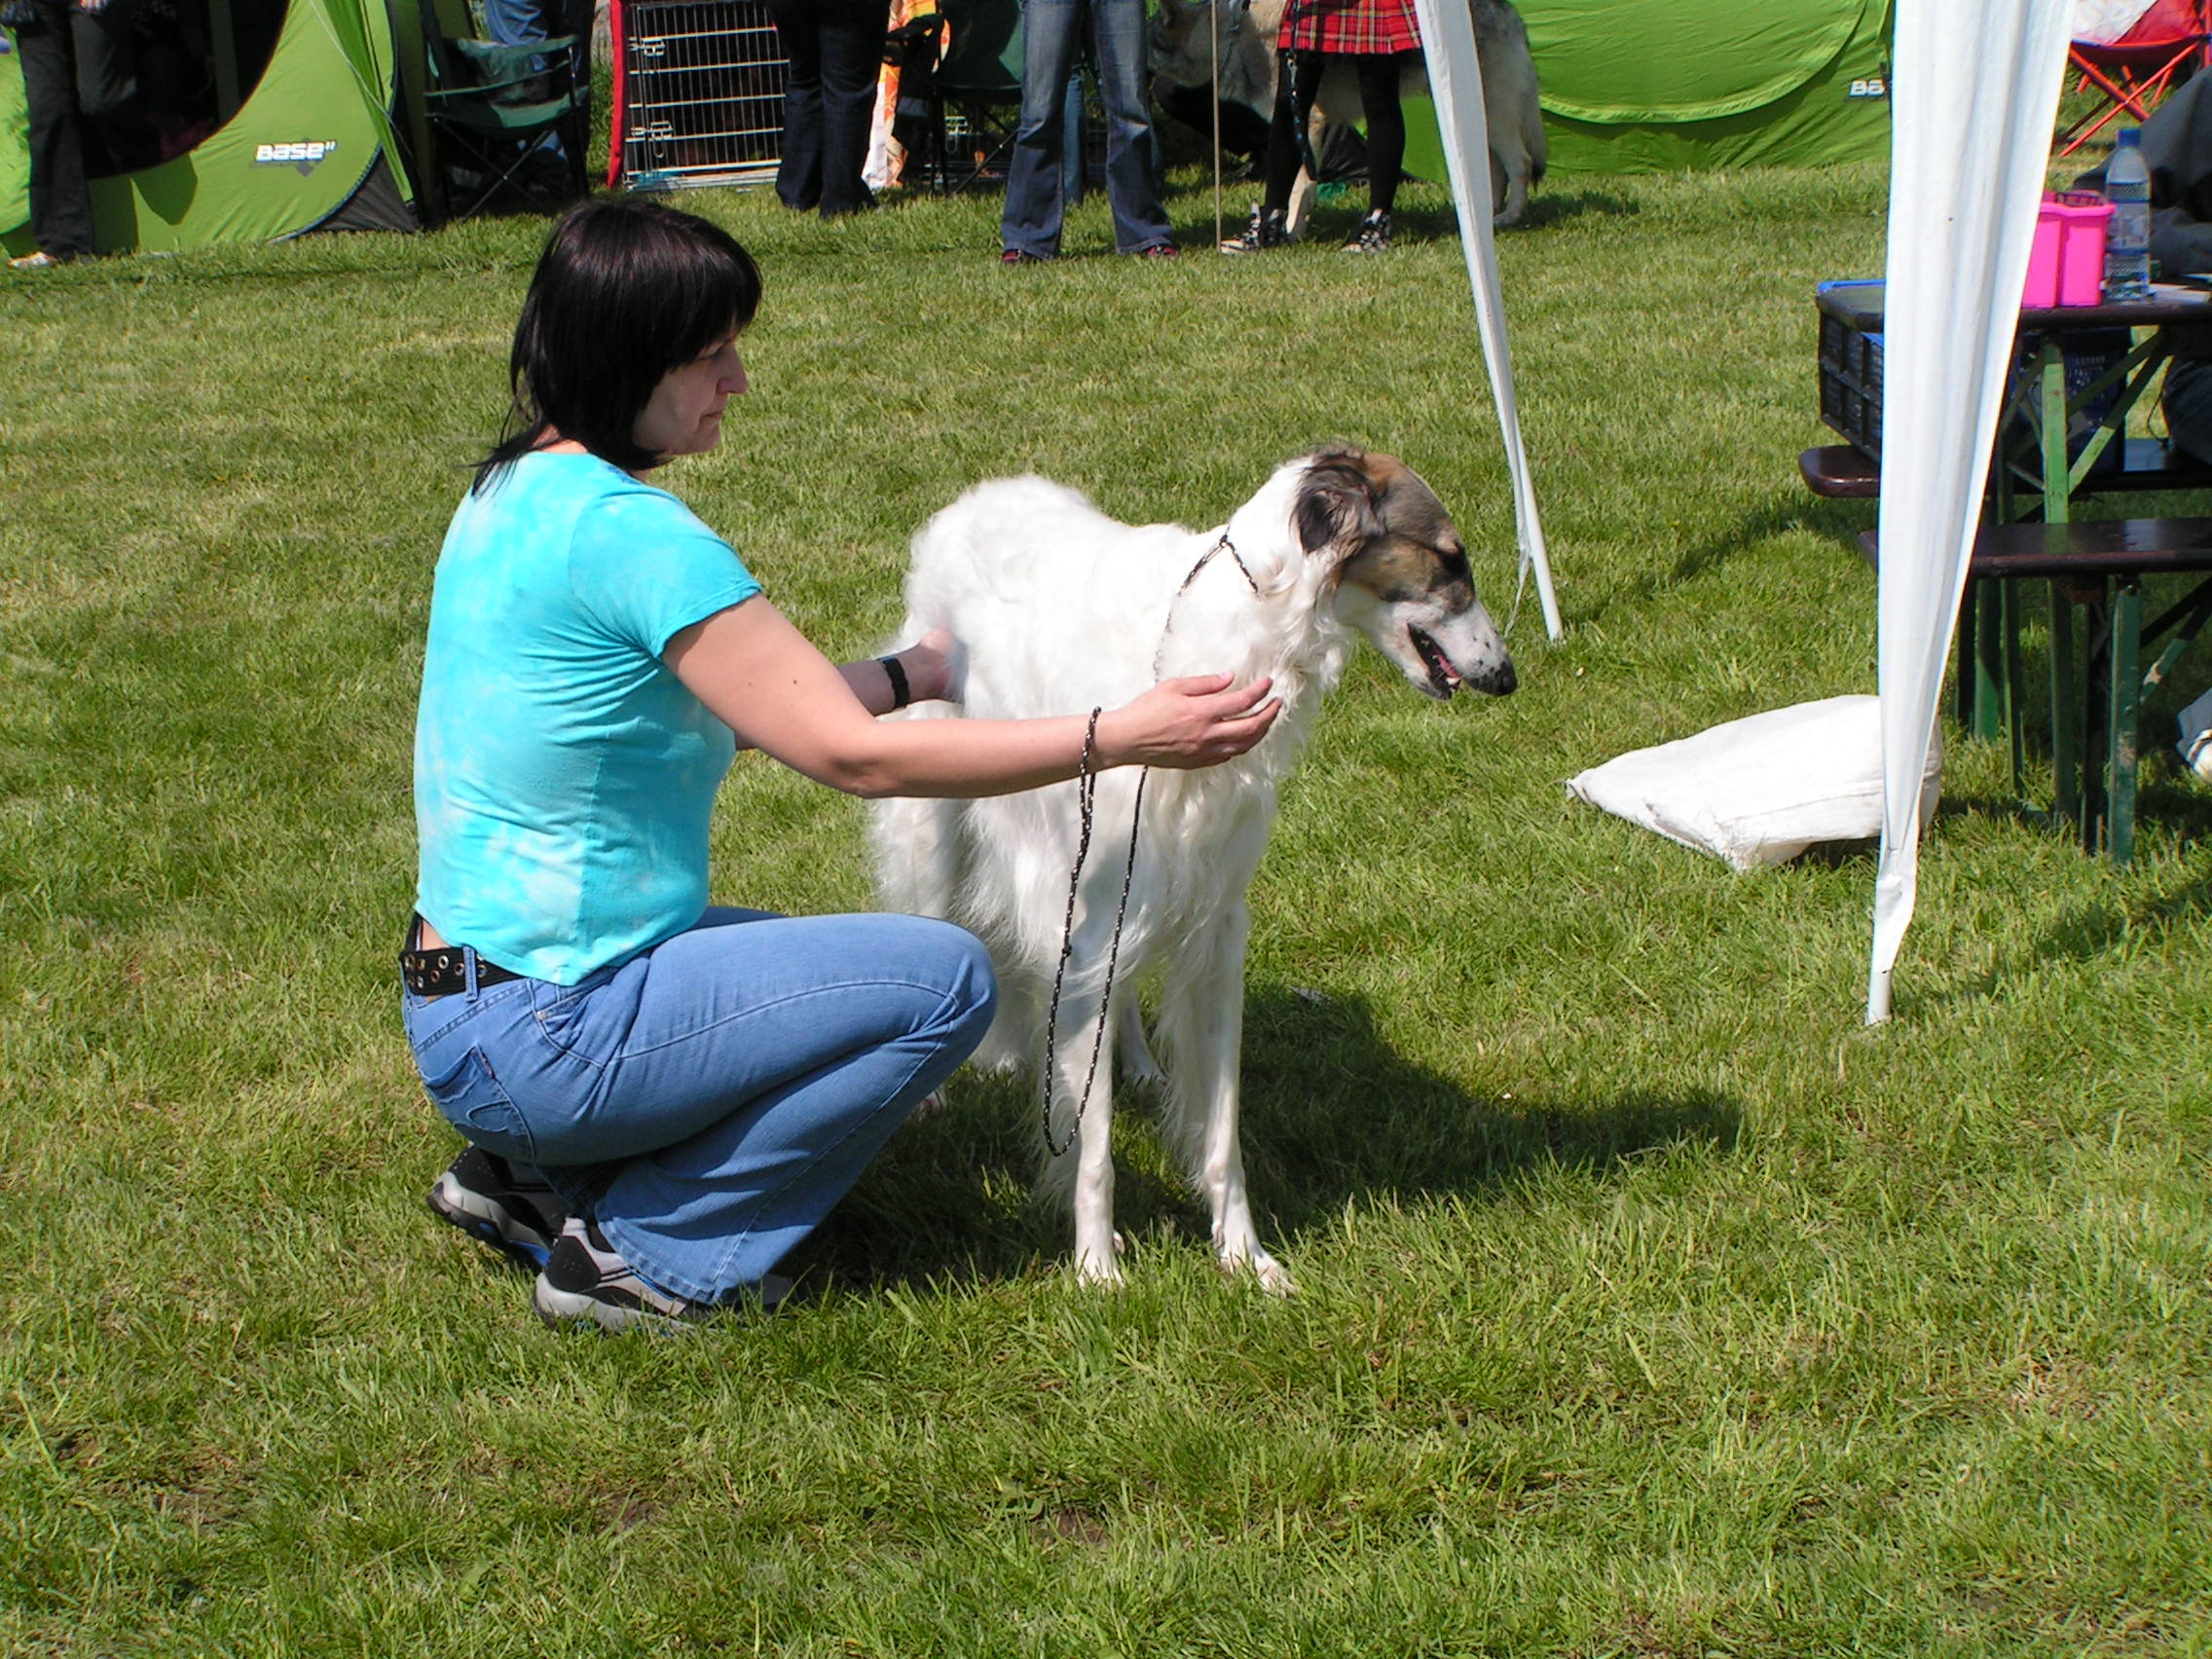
(1454, 560)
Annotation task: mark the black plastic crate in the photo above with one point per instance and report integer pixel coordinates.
(1852, 381)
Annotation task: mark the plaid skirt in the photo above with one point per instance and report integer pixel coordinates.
(1349, 26)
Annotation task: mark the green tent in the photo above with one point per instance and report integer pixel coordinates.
(1664, 86)
(310, 144)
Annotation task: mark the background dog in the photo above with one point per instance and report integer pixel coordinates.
(1182, 55)
(1059, 608)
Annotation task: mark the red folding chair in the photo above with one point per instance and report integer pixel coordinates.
(2128, 76)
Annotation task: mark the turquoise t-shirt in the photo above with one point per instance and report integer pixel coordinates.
(564, 776)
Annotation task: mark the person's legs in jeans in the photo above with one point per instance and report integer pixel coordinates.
(61, 199)
(526, 23)
(799, 175)
(1122, 56)
(2187, 403)
(1030, 222)
(712, 1099)
(852, 66)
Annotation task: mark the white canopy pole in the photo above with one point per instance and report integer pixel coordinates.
(1455, 84)
(1973, 102)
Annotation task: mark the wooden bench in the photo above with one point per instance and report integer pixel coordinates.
(1842, 472)
(2098, 565)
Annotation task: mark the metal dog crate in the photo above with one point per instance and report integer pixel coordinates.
(698, 94)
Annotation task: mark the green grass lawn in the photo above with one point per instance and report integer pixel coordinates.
(1649, 1303)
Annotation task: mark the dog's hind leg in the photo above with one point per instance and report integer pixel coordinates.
(916, 847)
(1131, 1051)
(1201, 1024)
(1508, 187)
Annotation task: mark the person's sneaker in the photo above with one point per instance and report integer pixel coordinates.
(1160, 250)
(1372, 237)
(39, 261)
(1265, 229)
(508, 1205)
(586, 1279)
(1021, 256)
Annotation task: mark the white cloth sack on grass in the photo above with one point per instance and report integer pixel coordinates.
(1760, 791)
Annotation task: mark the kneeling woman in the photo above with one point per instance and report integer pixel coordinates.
(661, 1097)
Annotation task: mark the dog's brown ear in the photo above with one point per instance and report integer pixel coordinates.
(1338, 508)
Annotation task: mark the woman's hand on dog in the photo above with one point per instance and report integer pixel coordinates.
(1201, 721)
(932, 667)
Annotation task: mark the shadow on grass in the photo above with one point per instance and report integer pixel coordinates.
(2089, 932)
(1442, 223)
(1545, 207)
(1333, 1118)
(1782, 513)
(2092, 931)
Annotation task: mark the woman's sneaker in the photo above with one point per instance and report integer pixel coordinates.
(585, 1279)
(1265, 229)
(1372, 237)
(510, 1206)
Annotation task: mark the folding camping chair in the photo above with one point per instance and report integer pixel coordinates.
(494, 104)
(2127, 78)
(977, 82)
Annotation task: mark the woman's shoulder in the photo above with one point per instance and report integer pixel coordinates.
(575, 486)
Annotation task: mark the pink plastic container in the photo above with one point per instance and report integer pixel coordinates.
(2066, 265)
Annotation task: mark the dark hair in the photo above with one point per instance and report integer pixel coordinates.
(626, 290)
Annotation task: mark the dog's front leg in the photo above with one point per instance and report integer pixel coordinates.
(1203, 1028)
(1084, 1168)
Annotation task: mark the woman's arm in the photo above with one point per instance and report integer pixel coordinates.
(763, 679)
(927, 665)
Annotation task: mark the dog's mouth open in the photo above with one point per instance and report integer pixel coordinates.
(1443, 678)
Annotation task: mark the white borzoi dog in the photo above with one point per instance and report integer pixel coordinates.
(1059, 609)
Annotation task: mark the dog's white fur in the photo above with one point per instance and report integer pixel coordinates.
(1183, 56)
(1059, 608)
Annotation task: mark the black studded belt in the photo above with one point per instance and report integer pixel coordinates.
(442, 972)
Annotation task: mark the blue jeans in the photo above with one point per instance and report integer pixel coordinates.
(526, 23)
(709, 1100)
(1050, 42)
(833, 52)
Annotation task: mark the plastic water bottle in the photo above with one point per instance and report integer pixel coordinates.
(2127, 237)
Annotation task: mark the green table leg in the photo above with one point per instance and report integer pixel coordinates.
(1970, 652)
(1986, 707)
(2014, 675)
(2095, 601)
(2065, 710)
(2123, 704)
(2065, 730)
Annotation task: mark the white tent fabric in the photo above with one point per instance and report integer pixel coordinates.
(1972, 101)
(2103, 22)
(1455, 84)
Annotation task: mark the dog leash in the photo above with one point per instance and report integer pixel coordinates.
(1087, 802)
(1086, 798)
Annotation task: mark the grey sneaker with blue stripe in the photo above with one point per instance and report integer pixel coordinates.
(508, 1206)
(586, 1279)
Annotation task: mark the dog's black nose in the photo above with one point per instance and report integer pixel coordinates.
(1499, 682)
